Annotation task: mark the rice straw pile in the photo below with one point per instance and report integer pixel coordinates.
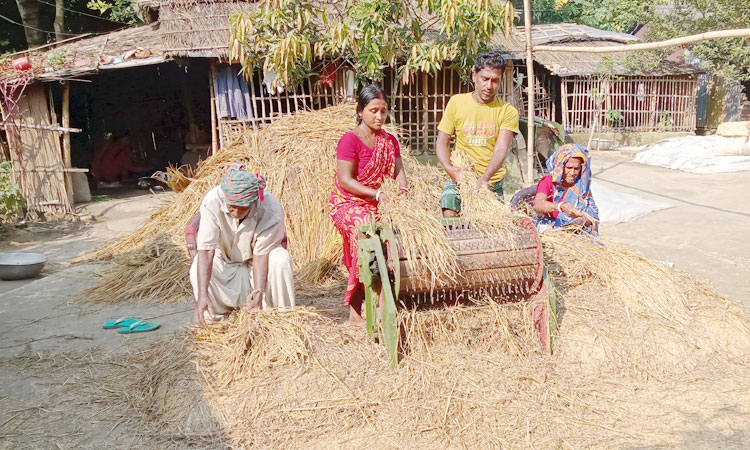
(296, 154)
(644, 355)
(480, 206)
(469, 377)
(156, 272)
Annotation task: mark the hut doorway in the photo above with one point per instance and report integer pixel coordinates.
(138, 120)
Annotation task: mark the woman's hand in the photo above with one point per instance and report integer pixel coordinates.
(382, 198)
(403, 190)
(570, 210)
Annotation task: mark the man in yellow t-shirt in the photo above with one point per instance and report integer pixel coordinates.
(484, 126)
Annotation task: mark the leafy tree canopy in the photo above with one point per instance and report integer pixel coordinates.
(614, 15)
(80, 16)
(415, 35)
(729, 58)
(664, 19)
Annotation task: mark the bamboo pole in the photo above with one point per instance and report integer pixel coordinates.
(67, 161)
(740, 32)
(530, 105)
(425, 112)
(59, 129)
(66, 125)
(214, 141)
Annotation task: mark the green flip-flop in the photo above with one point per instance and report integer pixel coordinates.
(138, 327)
(119, 323)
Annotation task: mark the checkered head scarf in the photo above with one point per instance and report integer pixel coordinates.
(242, 188)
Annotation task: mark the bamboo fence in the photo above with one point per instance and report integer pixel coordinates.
(647, 103)
(36, 153)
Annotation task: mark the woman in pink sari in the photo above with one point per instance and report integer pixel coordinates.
(365, 157)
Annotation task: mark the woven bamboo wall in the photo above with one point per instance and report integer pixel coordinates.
(267, 107)
(416, 107)
(647, 103)
(188, 26)
(37, 156)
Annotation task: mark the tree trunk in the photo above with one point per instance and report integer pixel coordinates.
(29, 10)
(59, 20)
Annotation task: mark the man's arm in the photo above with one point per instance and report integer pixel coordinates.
(203, 303)
(500, 151)
(443, 151)
(260, 279)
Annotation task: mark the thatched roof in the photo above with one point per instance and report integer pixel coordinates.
(568, 64)
(198, 28)
(116, 50)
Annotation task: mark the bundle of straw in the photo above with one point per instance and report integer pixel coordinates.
(480, 207)
(155, 273)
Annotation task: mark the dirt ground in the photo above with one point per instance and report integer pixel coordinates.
(705, 233)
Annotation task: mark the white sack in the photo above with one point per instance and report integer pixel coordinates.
(696, 154)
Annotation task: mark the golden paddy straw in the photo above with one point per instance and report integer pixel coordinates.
(644, 356)
(297, 155)
(480, 207)
(470, 376)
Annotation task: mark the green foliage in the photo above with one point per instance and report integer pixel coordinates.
(613, 116)
(418, 36)
(729, 58)
(11, 200)
(665, 121)
(54, 58)
(614, 15)
(119, 10)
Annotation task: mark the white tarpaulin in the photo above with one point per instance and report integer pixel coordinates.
(697, 154)
(619, 207)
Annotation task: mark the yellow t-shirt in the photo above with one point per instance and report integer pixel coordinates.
(476, 127)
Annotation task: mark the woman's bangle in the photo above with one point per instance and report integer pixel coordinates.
(377, 195)
(191, 246)
(559, 207)
(405, 189)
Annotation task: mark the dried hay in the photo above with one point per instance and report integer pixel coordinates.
(470, 376)
(177, 178)
(154, 273)
(480, 206)
(296, 154)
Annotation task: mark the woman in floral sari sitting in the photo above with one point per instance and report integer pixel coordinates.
(563, 198)
(365, 157)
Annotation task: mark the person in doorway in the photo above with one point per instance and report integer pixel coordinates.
(239, 249)
(483, 125)
(563, 198)
(114, 161)
(365, 157)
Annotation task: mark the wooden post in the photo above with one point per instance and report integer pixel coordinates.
(214, 141)
(739, 32)
(530, 106)
(425, 113)
(67, 161)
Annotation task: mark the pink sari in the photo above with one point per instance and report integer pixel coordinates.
(349, 212)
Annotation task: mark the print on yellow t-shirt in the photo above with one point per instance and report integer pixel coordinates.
(477, 126)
